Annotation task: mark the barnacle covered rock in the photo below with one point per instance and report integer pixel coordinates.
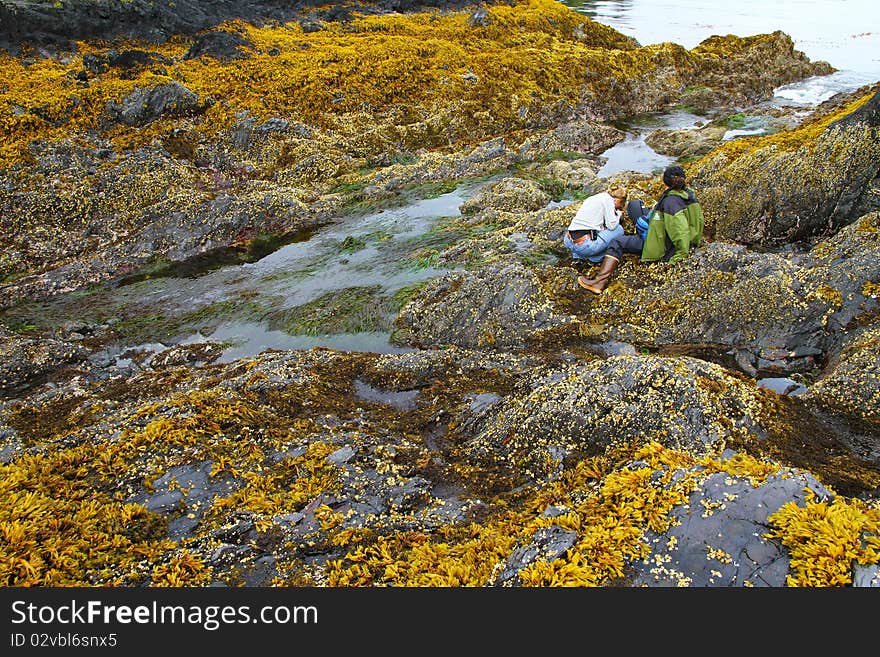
(26, 362)
(508, 194)
(722, 294)
(682, 402)
(501, 305)
(686, 143)
(850, 386)
(576, 136)
(730, 297)
(794, 185)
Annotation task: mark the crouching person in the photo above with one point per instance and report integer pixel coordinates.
(669, 232)
(596, 224)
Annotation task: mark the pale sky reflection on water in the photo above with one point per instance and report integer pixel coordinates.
(844, 33)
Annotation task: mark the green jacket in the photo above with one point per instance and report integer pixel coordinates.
(676, 227)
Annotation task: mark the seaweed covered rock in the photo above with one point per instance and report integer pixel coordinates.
(797, 185)
(50, 23)
(500, 305)
(77, 245)
(747, 69)
(303, 468)
(719, 536)
(506, 447)
(26, 362)
(780, 311)
(684, 403)
(850, 387)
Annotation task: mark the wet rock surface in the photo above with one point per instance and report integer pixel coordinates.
(49, 23)
(720, 537)
(25, 363)
(831, 174)
(708, 424)
(503, 305)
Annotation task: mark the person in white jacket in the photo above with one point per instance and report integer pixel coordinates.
(595, 224)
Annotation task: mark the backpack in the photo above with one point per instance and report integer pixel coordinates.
(641, 217)
(642, 222)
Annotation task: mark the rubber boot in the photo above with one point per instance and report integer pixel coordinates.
(596, 285)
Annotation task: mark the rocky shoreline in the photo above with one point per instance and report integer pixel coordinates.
(714, 423)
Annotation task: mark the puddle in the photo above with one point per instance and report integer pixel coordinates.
(633, 154)
(404, 401)
(751, 126)
(782, 386)
(250, 338)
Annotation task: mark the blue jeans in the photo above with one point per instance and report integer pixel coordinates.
(592, 250)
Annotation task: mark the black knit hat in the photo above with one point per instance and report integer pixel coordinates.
(674, 176)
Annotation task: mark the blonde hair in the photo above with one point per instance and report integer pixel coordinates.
(617, 190)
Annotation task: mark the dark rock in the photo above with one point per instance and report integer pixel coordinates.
(221, 45)
(341, 455)
(412, 493)
(546, 545)
(276, 125)
(499, 305)
(144, 105)
(135, 58)
(480, 18)
(717, 538)
(189, 354)
(28, 362)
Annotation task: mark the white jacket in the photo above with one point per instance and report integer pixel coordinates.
(597, 212)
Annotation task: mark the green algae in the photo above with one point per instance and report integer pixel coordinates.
(351, 310)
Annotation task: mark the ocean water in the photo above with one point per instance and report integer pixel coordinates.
(844, 33)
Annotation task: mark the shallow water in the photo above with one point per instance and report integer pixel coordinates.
(844, 33)
(303, 272)
(247, 306)
(633, 154)
(246, 339)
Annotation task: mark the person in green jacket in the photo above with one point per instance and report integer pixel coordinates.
(668, 233)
